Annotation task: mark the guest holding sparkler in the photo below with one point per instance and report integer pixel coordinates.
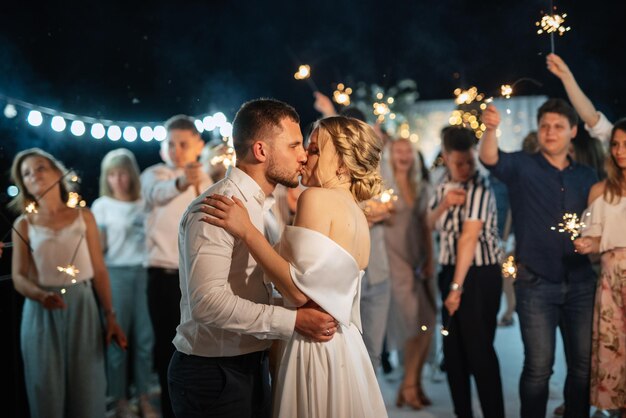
(167, 190)
(463, 210)
(412, 315)
(57, 260)
(605, 233)
(119, 213)
(555, 286)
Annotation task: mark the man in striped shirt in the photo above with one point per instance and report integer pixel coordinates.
(463, 210)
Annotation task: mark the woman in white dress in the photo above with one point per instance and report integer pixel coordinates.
(321, 260)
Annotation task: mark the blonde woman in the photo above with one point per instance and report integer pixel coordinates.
(321, 260)
(119, 213)
(61, 336)
(409, 246)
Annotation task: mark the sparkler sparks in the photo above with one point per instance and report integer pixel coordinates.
(342, 95)
(31, 208)
(571, 224)
(552, 24)
(304, 72)
(388, 196)
(509, 268)
(70, 270)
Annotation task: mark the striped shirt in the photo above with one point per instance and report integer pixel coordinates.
(480, 205)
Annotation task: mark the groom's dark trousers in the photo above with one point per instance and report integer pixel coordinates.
(223, 387)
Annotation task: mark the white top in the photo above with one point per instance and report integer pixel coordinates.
(53, 249)
(602, 129)
(608, 221)
(122, 225)
(224, 307)
(165, 206)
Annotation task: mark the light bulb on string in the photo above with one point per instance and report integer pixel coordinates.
(146, 134)
(129, 134)
(77, 128)
(10, 111)
(35, 118)
(98, 131)
(160, 133)
(58, 123)
(114, 133)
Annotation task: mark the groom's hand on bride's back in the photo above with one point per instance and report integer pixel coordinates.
(314, 323)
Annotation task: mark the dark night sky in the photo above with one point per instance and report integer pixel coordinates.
(145, 62)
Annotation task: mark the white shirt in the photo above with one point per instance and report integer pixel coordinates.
(601, 130)
(607, 221)
(224, 305)
(122, 225)
(165, 205)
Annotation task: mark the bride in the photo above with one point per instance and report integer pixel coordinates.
(321, 259)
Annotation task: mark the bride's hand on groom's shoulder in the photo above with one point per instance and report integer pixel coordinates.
(314, 323)
(228, 213)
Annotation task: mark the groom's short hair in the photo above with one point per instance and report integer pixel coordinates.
(258, 119)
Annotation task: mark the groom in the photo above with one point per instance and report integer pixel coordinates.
(220, 368)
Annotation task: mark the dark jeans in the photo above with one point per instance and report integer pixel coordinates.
(541, 307)
(164, 307)
(468, 348)
(220, 387)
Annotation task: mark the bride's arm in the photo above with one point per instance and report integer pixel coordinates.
(233, 217)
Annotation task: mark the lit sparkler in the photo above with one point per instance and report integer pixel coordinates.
(304, 73)
(571, 224)
(551, 24)
(342, 95)
(31, 208)
(226, 159)
(506, 90)
(388, 196)
(70, 269)
(509, 268)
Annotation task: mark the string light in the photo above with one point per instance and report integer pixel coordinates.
(99, 128)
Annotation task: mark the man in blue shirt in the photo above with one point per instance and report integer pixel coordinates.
(555, 286)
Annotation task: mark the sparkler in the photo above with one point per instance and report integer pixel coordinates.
(71, 269)
(342, 95)
(445, 330)
(388, 196)
(304, 73)
(469, 102)
(509, 268)
(551, 24)
(571, 224)
(226, 159)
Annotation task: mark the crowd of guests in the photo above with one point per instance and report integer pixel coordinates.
(125, 251)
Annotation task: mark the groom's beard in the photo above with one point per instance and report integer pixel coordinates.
(278, 175)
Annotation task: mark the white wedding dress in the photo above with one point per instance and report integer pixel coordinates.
(333, 379)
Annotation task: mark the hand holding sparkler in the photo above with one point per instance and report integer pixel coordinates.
(558, 67)
(491, 118)
(52, 300)
(324, 105)
(587, 245)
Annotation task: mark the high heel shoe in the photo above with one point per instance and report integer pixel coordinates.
(407, 395)
(425, 400)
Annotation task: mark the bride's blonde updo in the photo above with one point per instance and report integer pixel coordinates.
(358, 148)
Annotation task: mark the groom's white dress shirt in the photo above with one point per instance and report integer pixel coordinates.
(225, 308)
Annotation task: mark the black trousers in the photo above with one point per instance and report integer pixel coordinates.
(164, 306)
(468, 348)
(220, 387)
